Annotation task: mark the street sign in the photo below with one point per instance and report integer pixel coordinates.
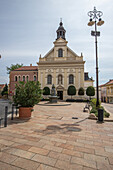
(95, 33)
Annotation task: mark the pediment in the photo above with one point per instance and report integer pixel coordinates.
(60, 87)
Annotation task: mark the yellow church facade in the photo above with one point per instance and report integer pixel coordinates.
(62, 67)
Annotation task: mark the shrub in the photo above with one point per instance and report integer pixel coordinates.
(106, 114)
(46, 91)
(90, 91)
(93, 110)
(27, 94)
(94, 102)
(81, 91)
(71, 91)
(70, 100)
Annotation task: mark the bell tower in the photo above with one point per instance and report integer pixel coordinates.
(61, 31)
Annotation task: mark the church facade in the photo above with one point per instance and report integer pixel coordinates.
(60, 66)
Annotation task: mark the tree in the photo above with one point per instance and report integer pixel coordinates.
(71, 91)
(46, 91)
(5, 91)
(81, 91)
(90, 91)
(13, 67)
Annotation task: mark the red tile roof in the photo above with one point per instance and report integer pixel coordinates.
(2, 86)
(27, 68)
(109, 82)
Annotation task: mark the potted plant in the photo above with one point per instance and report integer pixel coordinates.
(26, 96)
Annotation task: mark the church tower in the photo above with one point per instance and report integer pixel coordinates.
(61, 31)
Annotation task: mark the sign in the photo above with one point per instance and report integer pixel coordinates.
(95, 33)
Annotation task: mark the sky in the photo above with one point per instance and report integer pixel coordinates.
(28, 29)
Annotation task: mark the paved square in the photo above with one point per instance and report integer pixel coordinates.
(52, 140)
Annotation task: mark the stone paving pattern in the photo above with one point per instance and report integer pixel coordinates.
(52, 140)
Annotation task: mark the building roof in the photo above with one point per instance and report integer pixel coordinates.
(109, 82)
(2, 86)
(27, 68)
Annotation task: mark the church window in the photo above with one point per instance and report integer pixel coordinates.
(34, 78)
(15, 78)
(60, 79)
(49, 79)
(60, 53)
(23, 78)
(60, 32)
(71, 79)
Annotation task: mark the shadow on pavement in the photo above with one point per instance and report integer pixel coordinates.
(52, 129)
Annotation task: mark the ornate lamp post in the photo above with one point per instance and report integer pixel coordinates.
(94, 16)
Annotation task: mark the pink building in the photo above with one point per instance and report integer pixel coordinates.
(25, 73)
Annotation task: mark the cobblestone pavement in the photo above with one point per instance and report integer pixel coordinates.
(52, 140)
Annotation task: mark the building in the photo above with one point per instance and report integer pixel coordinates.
(1, 88)
(61, 66)
(25, 73)
(107, 92)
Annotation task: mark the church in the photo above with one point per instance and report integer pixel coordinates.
(60, 66)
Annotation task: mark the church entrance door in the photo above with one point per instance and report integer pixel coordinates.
(60, 95)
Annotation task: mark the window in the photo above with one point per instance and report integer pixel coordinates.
(23, 78)
(19, 78)
(60, 53)
(60, 79)
(15, 78)
(71, 79)
(49, 79)
(34, 78)
(27, 78)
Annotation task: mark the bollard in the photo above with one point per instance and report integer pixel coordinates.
(5, 118)
(12, 112)
(100, 115)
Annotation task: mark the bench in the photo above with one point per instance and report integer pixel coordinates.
(87, 107)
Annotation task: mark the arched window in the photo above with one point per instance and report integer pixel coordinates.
(49, 79)
(71, 79)
(27, 78)
(60, 79)
(23, 78)
(60, 53)
(19, 78)
(15, 78)
(34, 78)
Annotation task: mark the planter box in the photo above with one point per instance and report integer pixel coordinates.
(25, 112)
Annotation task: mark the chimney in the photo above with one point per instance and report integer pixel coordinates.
(30, 64)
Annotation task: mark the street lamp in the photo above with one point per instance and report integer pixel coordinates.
(94, 16)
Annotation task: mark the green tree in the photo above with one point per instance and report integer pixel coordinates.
(5, 91)
(81, 91)
(90, 91)
(27, 94)
(13, 67)
(71, 91)
(46, 91)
